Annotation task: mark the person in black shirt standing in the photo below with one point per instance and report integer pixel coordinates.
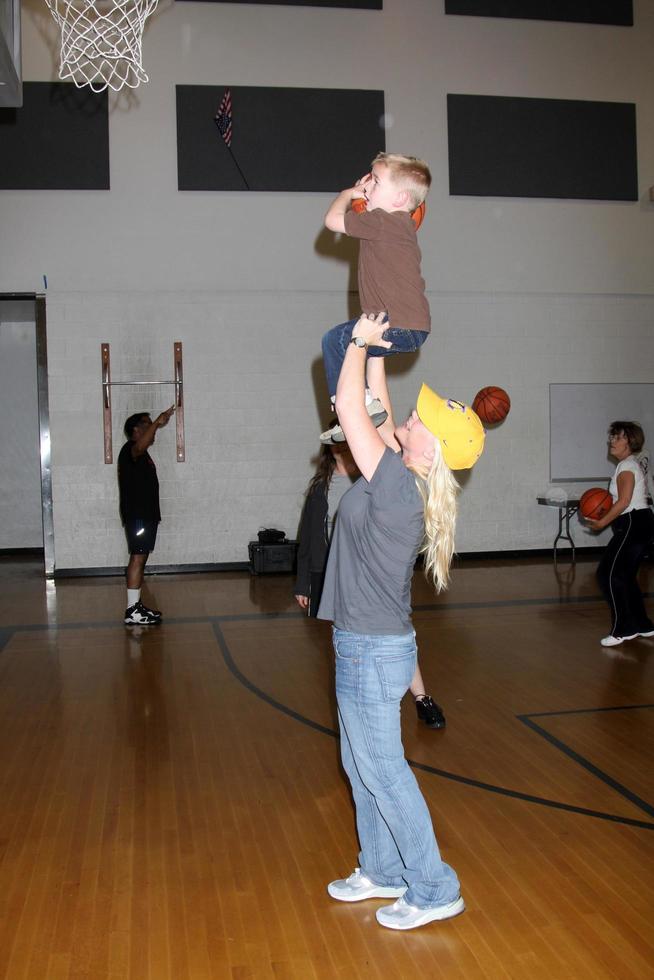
(139, 507)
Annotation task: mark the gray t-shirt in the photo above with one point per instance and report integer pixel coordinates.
(339, 484)
(378, 533)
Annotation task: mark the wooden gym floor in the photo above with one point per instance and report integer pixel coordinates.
(172, 804)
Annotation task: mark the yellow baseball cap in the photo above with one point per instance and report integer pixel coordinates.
(457, 428)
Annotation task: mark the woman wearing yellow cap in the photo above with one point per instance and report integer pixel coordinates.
(404, 503)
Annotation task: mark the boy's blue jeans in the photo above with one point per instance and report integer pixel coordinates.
(395, 829)
(335, 343)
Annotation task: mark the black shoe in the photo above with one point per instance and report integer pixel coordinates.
(151, 612)
(430, 712)
(138, 615)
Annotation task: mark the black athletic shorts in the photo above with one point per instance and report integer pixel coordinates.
(141, 536)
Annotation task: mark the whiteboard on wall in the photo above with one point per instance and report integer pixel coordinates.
(580, 415)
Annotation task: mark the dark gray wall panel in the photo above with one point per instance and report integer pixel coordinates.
(284, 139)
(353, 4)
(57, 140)
(513, 147)
(583, 11)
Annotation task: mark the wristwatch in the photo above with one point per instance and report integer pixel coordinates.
(359, 342)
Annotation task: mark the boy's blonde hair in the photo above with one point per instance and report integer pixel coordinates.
(409, 173)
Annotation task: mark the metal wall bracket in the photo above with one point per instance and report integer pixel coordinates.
(108, 384)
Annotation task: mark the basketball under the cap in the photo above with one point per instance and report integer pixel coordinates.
(492, 404)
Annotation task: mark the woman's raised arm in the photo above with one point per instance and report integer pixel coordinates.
(364, 440)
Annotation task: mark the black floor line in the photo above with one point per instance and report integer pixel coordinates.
(7, 632)
(585, 711)
(465, 780)
(585, 763)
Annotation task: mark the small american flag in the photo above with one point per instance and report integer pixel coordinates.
(223, 117)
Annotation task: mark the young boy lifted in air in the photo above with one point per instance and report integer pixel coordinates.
(390, 280)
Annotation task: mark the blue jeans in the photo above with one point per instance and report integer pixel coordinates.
(395, 829)
(335, 343)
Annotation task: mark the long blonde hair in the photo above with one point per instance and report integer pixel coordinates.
(438, 489)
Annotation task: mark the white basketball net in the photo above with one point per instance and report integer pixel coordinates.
(101, 41)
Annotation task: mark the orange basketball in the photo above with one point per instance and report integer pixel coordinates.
(595, 503)
(359, 205)
(491, 404)
(418, 215)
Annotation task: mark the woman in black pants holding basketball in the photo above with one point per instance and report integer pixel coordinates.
(632, 523)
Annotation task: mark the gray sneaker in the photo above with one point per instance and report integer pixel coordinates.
(331, 436)
(357, 888)
(375, 410)
(401, 915)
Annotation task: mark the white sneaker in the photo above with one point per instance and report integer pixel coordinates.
(357, 887)
(401, 915)
(650, 633)
(614, 641)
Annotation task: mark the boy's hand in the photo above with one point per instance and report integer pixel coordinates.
(371, 328)
(335, 217)
(360, 187)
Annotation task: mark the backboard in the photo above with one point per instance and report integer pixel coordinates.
(11, 87)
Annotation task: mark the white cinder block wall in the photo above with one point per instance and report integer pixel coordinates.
(523, 292)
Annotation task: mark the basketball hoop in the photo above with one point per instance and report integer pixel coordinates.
(101, 41)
